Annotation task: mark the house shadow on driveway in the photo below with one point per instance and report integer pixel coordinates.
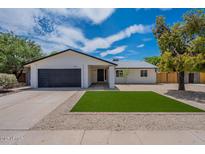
(101, 86)
(196, 96)
(58, 89)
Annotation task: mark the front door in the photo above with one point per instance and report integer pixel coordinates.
(100, 74)
(191, 77)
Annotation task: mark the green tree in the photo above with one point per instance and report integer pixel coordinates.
(155, 60)
(52, 52)
(15, 51)
(182, 45)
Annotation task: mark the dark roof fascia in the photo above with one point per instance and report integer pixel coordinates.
(66, 51)
(136, 68)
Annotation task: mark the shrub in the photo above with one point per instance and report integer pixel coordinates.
(7, 80)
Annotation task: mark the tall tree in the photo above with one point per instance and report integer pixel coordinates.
(155, 60)
(15, 51)
(182, 45)
(52, 52)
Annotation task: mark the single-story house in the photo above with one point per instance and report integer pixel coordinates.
(71, 68)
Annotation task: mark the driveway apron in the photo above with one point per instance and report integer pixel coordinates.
(24, 109)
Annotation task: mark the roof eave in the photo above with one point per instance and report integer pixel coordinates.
(136, 67)
(28, 63)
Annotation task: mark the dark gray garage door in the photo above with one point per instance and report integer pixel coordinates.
(59, 77)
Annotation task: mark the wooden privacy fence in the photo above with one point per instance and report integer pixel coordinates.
(172, 77)
(165, 77)
(202, 77)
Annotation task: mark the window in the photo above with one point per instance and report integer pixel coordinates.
(119, 73)
(143, 73)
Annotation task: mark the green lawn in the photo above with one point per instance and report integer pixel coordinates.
(121, 101)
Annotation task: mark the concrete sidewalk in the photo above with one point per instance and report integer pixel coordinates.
(102, 137)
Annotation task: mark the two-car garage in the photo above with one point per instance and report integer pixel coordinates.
(68, 68)
(59, 78)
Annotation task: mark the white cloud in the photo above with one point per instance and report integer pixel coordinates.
(63, 37)
(103, 43)
(23, 21)
(97, 16)
(119, 57)
(18, 20)
(140, 46)
(113, 51)
(51, 46)
(70, 36)
(67, 35)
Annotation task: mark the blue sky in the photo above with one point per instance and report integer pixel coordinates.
(106, 33)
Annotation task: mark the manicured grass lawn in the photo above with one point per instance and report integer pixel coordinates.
(124, 101)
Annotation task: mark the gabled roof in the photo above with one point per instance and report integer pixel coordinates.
(134, 64)
(68, 50)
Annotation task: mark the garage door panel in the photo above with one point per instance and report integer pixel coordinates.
(59, 77)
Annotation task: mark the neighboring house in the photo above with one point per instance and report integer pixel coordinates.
(193, 77)
(72, 68)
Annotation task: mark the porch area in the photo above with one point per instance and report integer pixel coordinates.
(99, 86)
(101, 76)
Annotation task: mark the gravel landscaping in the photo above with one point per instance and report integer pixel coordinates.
(61, 119)
(123, 122)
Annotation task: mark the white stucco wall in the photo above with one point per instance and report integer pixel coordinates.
(94, 75)
(34, 76)
(65, 60)
(90, 77)
(111, 76)
(133, 76)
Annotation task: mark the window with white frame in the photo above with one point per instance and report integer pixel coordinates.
(143, 73)
(119, 73)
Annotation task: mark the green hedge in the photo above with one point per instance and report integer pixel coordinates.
(7, 80)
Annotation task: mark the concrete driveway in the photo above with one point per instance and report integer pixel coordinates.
(24, 109)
